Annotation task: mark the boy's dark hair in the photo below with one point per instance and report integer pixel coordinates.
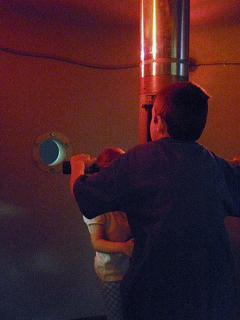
(184, 110)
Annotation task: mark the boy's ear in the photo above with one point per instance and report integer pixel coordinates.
(155, 119)
(158, 120)
(162, 126)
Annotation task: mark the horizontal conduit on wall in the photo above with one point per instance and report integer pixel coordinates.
(106, 67)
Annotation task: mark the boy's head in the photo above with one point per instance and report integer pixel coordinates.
(180, 111)
(107, 156)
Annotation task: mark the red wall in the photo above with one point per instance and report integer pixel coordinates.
(47, 261)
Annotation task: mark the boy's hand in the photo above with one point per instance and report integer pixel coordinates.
(80, 161)
(235, 161)
(78, 164)
(80, 158)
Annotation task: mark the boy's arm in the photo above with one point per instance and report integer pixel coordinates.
(232, 175)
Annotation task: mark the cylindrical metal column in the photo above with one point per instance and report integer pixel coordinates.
(164, 32)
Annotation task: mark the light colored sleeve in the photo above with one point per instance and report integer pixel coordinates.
(100, 220)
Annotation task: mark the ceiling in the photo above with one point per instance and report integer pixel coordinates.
(126, 12)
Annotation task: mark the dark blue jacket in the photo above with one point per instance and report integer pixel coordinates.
(176, 196)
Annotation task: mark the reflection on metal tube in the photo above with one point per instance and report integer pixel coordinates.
(180, 39)
(164, 32)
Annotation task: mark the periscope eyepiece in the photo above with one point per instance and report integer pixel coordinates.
(66, 168)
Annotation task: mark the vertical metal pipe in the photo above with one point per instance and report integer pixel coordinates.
(180, 39)
(164, 30)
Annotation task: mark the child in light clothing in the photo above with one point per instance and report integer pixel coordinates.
(111, 239)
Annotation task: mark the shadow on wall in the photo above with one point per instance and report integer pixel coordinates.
(40, 279)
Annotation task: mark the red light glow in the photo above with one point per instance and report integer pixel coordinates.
(154, 38)
(142, 39)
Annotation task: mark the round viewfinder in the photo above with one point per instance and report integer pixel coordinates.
(51, 152)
